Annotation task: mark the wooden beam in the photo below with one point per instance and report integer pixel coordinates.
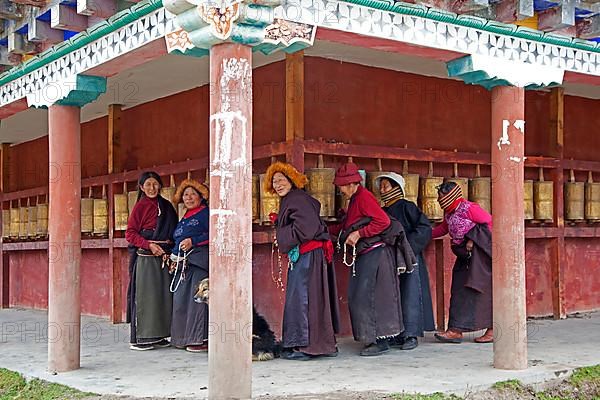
(514, 10)
(5, 168)
(4, 280)
(114, 138)
(40, 31)
(115, 260)
(588, 28)
(556, 18)
(294, 96)
(557, 117)
(18, 44)
(66, 18)
(97, 8)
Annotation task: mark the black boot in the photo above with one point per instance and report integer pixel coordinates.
(375, 349)
(410, 343)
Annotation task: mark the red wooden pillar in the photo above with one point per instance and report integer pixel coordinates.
(4, 280)
(230, 309)
(508, 236)
(64, 248)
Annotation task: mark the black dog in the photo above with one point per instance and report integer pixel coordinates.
(264, 345)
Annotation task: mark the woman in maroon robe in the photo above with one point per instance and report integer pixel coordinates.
(470, 228)
(310, 315)
(374, 290)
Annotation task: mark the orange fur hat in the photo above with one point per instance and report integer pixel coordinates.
(296, 177)
(197, 186)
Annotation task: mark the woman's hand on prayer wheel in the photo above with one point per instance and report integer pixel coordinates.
(353, 238)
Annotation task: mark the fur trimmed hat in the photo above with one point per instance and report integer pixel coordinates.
(194, 184)
(297, 178)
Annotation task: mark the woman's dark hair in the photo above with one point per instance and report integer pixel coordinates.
(144, 177)
(446, 187)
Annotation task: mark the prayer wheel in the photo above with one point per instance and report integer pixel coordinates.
(169, 191)
(428, 195)
(480, 191)
(462, 182)
(255, 198)
(543, 199)
(372, 178)
(574, 200)
(32, 224)
(14, 223)
(592, 200)
(5, 224)
(320, 186)
(131, 200)
(101, 215)
(181, 210)
(87, 213)
(528, 199)
(269, 202)
(23, 222)
(121, 209)
(411, 184)
(42, 220)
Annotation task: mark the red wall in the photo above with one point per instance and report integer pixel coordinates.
(344, 102)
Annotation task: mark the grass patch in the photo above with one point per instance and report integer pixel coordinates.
(433, 396)
(586, 375)
(512, 384)
(14, 387)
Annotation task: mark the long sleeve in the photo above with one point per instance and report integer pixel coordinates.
(302, 224)
(202, 235)
(479, 215)
(135, 225)
(440, 230)
(367, 206)
(420, 233)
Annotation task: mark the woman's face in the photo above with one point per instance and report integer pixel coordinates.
(281, 184)
(191, 198)
(349, 189)
(151, 188)
(385, 186)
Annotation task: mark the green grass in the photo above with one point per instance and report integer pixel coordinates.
(512, 384)
(433, 396)
(586, 374)
(14, 387)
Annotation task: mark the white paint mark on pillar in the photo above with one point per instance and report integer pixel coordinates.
(235, 86)
(520, 125)
(504, 138)
(515, 159)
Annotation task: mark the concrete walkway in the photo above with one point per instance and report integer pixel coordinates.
(109, 367)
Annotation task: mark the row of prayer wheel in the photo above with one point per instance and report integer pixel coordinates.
(28, 222)
(582, 199)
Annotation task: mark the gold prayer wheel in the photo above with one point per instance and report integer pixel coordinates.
(14, 223)
(101, 215)
(320, 186)
(181, 210)
(255, 198)
(32, 224)
(23, 222)
(121, 211)
(269, 203)
(372, 177)
(592, 199)
(428, 195)
(87, 215)
(574, 199)
(480, 190)
(131, 200)
(42, 220)
(543, 199)
(528, 199)
(5, 224)
(411, 184)
(169, 191)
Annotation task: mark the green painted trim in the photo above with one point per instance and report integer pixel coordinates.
(467, 21)
(87, 89)
(115, 22)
